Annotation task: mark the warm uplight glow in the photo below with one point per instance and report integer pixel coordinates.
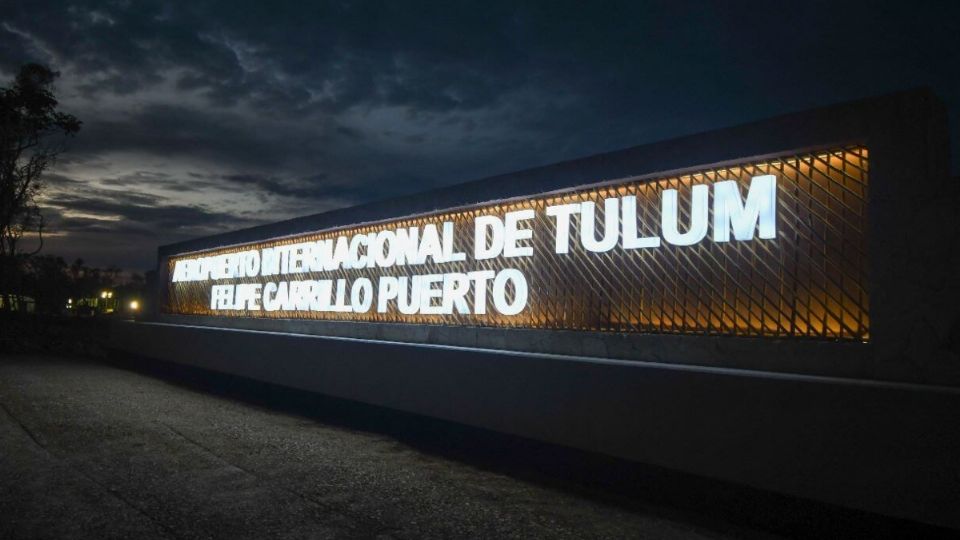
(134, 305)
(764, 248)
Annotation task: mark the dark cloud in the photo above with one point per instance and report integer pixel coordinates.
(126, 226)
(287, 107)
(138, 179)
(147, 212)
(174, 132)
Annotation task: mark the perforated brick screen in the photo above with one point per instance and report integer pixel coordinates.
(810, 281)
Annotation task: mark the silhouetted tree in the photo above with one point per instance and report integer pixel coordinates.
(32, 135)
(111, 276)
(47, 280)
(76, 269)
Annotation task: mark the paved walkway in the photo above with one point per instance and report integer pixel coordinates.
(92, 451)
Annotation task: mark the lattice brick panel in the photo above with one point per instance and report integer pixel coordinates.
(808, 282)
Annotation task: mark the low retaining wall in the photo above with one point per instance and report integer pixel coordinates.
(889, 448)
(817, 357)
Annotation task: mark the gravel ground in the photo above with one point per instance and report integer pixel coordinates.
(89, 450)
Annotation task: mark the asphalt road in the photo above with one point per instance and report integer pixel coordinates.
(90, 450)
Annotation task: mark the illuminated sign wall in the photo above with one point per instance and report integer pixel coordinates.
(767, 248)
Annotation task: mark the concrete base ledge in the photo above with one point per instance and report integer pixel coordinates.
(883, 447)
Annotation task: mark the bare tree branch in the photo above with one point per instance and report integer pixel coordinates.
(32, 134)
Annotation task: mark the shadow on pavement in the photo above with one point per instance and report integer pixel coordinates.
(718, 505)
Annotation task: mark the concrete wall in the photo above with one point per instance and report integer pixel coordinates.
(913, 237)
(889, 448)
(866, 425)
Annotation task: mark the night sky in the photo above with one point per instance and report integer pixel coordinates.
(201, 117)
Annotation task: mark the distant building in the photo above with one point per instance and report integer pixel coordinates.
(18, 303)
(103, 304)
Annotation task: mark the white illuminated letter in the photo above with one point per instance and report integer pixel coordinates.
(630, 226)
(562, 214)
(428, 293)
(358, 259)
(388, 290)
(299, 298)
(340, 296)
(611, 232)
(321, 254)
(455, 289)
(341, 254)
(191, 270)
(429, 245)
(283, 296)
(512, 234)
(500, 291)
(384, 248)
(283, 253)
(252, 263)
(449, 255)
(480, 279)
(270, 302)
(408, 300)
(371, 239)
(253, 303)
(219, 295)
(481, 250)
(269, 263)
(698, 216)
(407, 242)
(361, 295)
(218, 267)
(323, 296)
(180, 271)
(730, 211)
(204, 268)
(297, 257)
